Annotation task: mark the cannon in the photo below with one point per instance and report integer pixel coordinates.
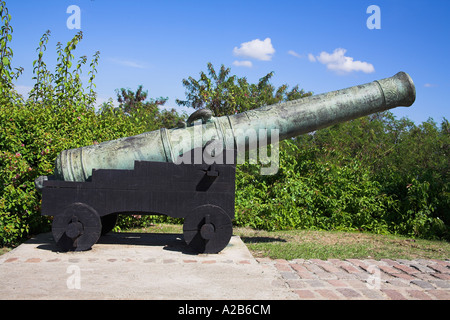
(189, 171)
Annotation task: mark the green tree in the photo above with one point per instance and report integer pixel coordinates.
(130, 101)
(224, 94)
(146, 111)
(409, 162)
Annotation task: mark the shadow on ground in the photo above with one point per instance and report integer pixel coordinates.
(261, 239)
(169, 241)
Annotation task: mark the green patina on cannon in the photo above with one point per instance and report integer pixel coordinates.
(144, 174)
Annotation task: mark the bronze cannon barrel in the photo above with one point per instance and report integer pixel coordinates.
(289, 118)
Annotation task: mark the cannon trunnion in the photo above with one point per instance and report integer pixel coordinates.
(202, 194)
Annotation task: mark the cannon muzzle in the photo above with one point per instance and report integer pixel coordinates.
(291, 119)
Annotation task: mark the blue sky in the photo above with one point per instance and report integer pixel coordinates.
(319, 45)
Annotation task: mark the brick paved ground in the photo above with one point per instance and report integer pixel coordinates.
(364, 279)
(367, 279)
(314, 279)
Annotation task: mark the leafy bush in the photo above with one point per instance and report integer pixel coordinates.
(306, 193)
(59, 114)
(376, 174)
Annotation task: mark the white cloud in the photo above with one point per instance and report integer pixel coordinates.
(430, 85)
(295, 54)
(337, 61)
(244, 63)
(128, 63)
(256, 49)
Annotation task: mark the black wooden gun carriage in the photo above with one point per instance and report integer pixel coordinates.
(202, 194)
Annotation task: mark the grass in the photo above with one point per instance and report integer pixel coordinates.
(4, 250)
(310, 244)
